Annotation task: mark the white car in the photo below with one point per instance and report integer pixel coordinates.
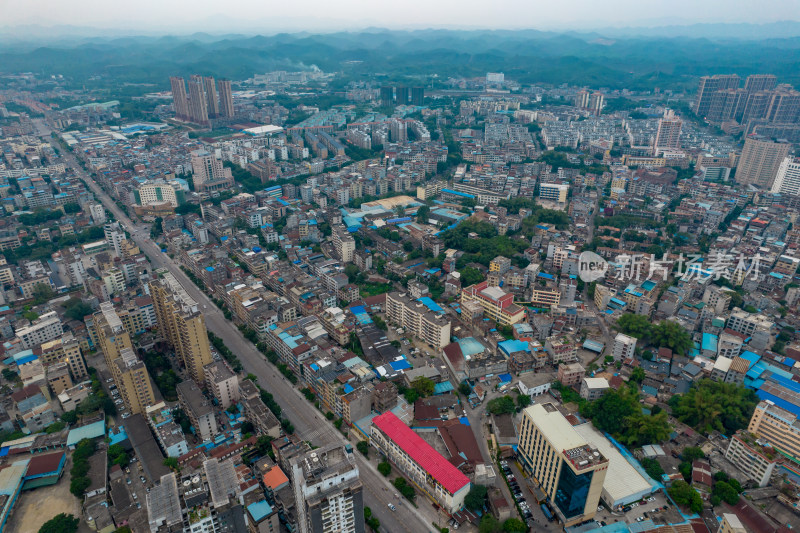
(392, 507)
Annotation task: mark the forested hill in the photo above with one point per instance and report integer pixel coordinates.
(634, 62)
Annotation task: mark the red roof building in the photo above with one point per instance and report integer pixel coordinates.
(428, 469)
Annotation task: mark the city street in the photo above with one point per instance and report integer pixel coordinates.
(308, 422)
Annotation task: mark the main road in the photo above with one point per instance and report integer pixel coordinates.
(308, 423)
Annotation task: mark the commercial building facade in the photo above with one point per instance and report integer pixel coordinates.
(497, 304)
(569, 471)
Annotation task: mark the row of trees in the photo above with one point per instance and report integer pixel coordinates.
(79, 474)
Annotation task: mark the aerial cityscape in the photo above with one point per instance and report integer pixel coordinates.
(397, 276)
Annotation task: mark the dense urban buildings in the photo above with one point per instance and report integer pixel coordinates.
(522, 303)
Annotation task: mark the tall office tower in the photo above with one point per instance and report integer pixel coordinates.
(669, 132)
(198, 108)
(133, 381)
(760, 82)
(418, 96)
(211, 96)
(402, 95)
(181, 324)
(784, 105)
(179, 100)
(328, 492)
(225, 98)
(387, 96)
(569, 470)
(787, 181)
(760, 161)
(708, 85)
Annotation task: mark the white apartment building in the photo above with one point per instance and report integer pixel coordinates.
(418, 319)
(624, 347)
(45, 328)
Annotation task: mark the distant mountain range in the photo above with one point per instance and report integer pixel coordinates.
(666, 57)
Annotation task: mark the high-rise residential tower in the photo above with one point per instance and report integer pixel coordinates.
(328, 492)
(760, 161)
(760, 82)
(417, 96)
(669, 132)
(225, 99)
(181, 324)
(179, 100)
(787, 181)
(198, 106)
(706, 88)
(402, 95)
(387, 96)
(209, 173)
(211, 96)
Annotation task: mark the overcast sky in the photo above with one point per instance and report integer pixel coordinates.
(268, 16)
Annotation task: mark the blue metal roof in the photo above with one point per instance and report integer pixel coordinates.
(430, 304)
(443, 387)
(709, 342)
(259, 510)
(400, 365)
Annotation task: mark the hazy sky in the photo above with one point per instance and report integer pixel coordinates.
(269, 16)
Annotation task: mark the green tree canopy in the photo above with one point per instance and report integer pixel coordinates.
(502, 405)
(488, 524)
(424, 386)
(671, 335)
(634, 325)
(685, 496)
(60, 523)
(711, 405)
(514, 525)
(475, 498)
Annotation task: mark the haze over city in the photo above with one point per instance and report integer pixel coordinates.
(154, 16)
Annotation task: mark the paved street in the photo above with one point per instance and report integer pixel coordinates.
(308, 422)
